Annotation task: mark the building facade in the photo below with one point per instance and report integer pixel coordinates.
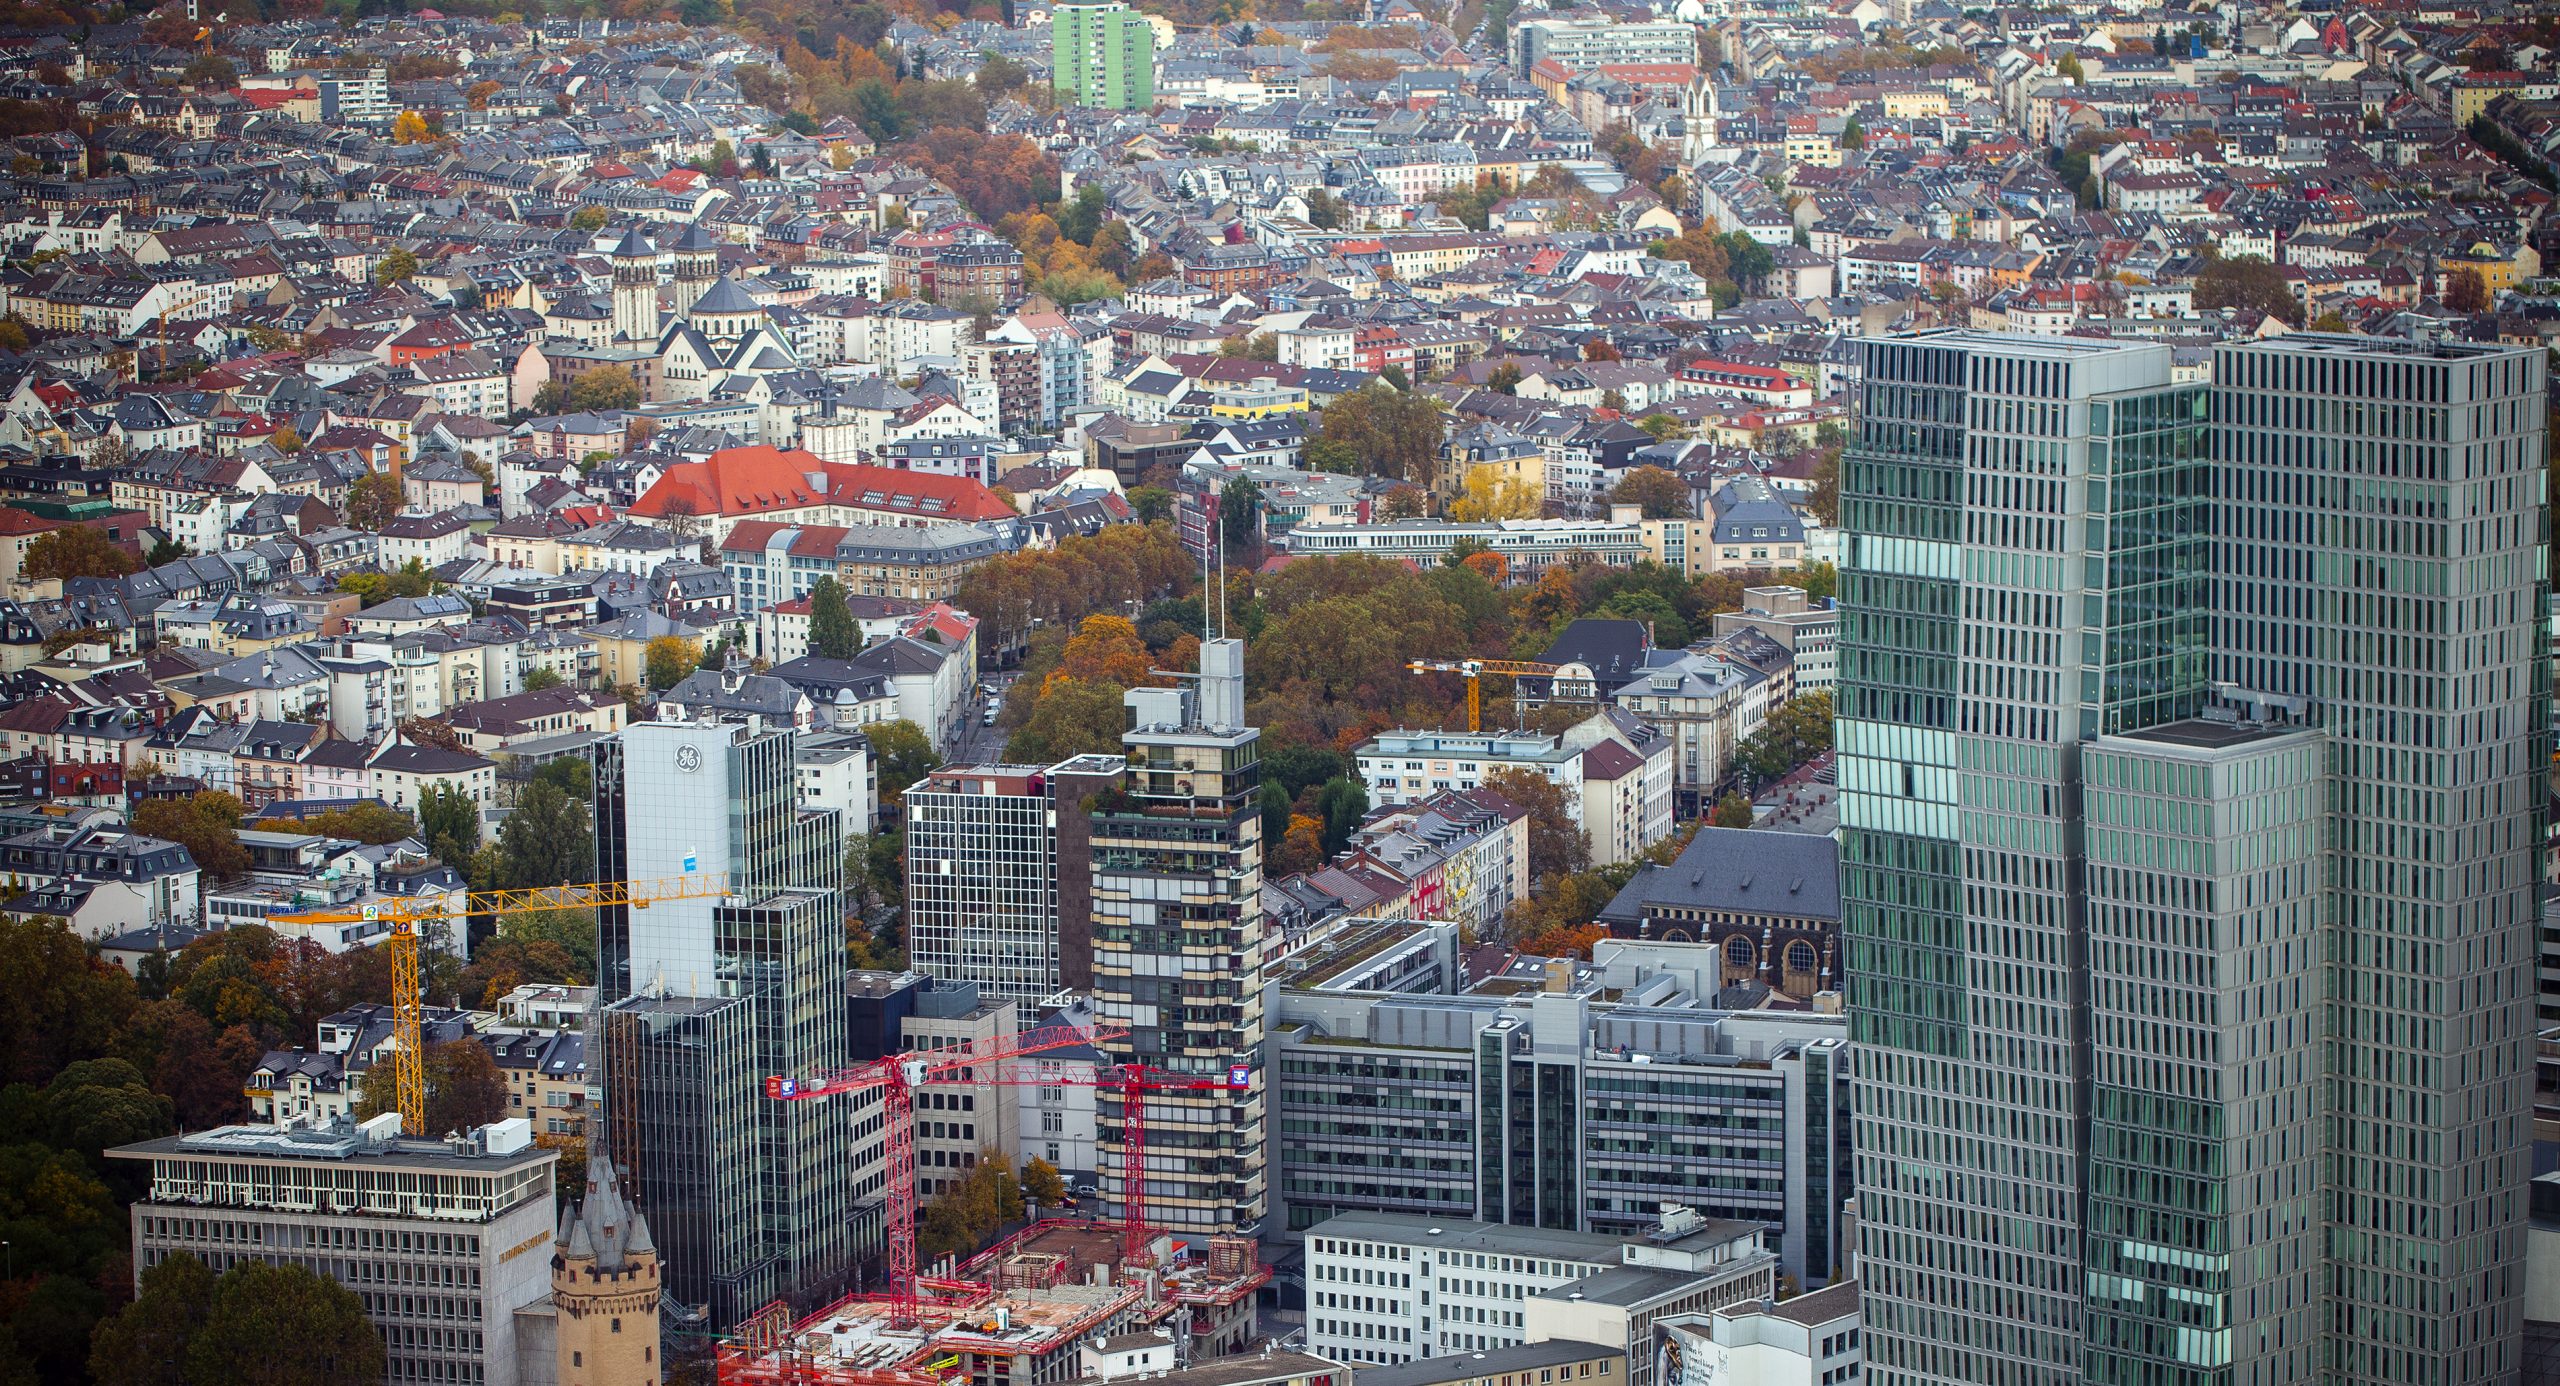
(2161, 711)
(1000, 877)
(1104, 55)
(1179, 945)
(750, 1199)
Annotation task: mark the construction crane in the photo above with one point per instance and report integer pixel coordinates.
(1134, 1082)
(404, 915)
(896, 1079)
(1475, 670)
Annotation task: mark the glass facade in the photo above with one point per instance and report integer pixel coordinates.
(2189, 748)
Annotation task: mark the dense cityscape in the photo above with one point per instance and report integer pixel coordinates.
(1278, 693)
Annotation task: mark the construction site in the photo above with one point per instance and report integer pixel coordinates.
(1019, 1313)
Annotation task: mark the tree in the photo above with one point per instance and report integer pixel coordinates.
(465, 1090)
(1070, 717)
(282, 1325)
(549, 840)
(832, 632)
(1663, 427)
(146, 1342)
(541, 677)
(1400, 434)
(373, 500)
(75, 551)
(1505, 379)
(206, 823)
(669, 659)
(1151, 503)
(286, 439)
(1492, 494)
(409, 127)
(1794, 732)
(209, 70)
(1332, 455)
(2068, 66)
(1731, 811)
(397, 266)
(1240, 512)
(1825, 499)
(970, 1209)
(61, 1003)
(1261, 346)
(598, 391)
(1342, 802)
(478, 93)
(1557, 845)
(2466, 292)
(1041, 1184)
(590, 218)
(902, 754)
(1853, 136)
(2247, 282)
(368, 822)
(1663, 495)
(450, 821)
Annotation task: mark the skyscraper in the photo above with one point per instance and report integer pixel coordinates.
(1178, 943)
(750, 1199)
(1103, 54)
(2187, 742)
(1000, 875)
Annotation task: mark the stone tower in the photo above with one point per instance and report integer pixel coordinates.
(1698, 114)
(697, 264)
(605, 1284)
(635, 289)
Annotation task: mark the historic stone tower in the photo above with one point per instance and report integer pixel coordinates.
(1698, 116)
(604, 1283)
(635, 290)
(697, 264)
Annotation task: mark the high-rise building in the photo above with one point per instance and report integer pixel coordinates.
(1103, 54)
(750, 1199)
(2190, 744)
(1000, 877)
(1179, 944)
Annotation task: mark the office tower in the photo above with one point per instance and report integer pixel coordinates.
(750, 1199)
(1178, 944)
(1000, 876)
(2380, 558)
(2188, 781)
(1104, 54)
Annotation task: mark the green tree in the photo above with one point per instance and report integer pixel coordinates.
(1398, 434)
(61, 1003)
(589, 218)
(282, 1325)
(1794, 732)
(75, 551)
(1731, 811)
(396, 267)
(1071, 717)
(206, 823)
(165, 551)
(541, 677)
(450, 821)
(1820, 580)
(1341, 803)
(146, 1342)
(901, 754)
(832, 632)
(600, 390)
(1332, 455)
(549, 840)
(1853, 136)
(1239, 512)
(1152, 503)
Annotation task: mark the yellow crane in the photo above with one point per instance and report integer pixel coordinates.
(408, 1004)
(1475, 670)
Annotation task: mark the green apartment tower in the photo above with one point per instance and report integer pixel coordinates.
(2190, 746)
(1102, 54)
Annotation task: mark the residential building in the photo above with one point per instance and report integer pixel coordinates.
(1103, 53)
(1807, 630)
(1179, 945)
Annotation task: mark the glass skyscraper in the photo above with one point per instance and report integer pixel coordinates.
(751, 1198)
(2189, 743)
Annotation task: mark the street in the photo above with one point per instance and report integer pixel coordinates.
(978, 743)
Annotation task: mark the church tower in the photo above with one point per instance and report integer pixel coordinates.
(1698, 116)
(635, 290)
(604, 1284)
(697, 264)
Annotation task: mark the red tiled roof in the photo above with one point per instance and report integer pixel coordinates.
(14, 521)
(758, 480)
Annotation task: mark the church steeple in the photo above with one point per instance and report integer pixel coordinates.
(635, 289)
(1698, 116)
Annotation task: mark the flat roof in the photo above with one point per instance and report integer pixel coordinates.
(306, 1143)
(2205, 734)
(1466, 1234)
(1466, 1365)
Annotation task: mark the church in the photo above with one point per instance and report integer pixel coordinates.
(716, 335)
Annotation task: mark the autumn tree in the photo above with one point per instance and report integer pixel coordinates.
(1400, 434)
(1663, 495)
(75, 551)
(206, 823)
(597, 391)
(1041, 1184)
(1557, 844)
(669, 658)
(366, 821)
(2249, 283)
(465, 1090)
(478, 93)
(589, 218)
(1493, 494)
(409, 127)
(2466, 292)
(373, 500)
(968, 1212)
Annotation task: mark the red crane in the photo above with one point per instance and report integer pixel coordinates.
(896, 1078)
(1134, 1082)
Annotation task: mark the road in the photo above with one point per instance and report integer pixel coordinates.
(979, 743)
